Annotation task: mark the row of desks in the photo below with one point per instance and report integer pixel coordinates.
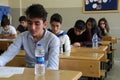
(82, 59)
(87, 62)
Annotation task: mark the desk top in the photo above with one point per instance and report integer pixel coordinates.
(79, 55)
(87, 49)
(85, 56)
(50, 75)
(105, 43)
(7, 40)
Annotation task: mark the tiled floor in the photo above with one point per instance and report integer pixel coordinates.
(114, 73)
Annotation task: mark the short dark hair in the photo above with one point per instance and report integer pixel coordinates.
(22, 18)
(56, 17)
(36, 11)
(5, 22)
(80, 24)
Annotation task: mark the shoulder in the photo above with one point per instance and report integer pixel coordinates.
(70, 30)
(19, 26)
(11, 27)
(50, 35)
(1, 28)
(51, 38)
(25, 34)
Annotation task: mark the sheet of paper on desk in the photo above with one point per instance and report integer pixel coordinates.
(6, 72)
(6, 39)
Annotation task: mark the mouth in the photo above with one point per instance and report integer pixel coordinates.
(32, 32)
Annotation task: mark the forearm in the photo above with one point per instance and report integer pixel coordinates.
(53, 60)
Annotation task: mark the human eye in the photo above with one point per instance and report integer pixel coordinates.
(37, 23)
(29, 22)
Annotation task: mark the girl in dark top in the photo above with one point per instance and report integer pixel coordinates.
(92, 28)
(104, 27)
(77, 34)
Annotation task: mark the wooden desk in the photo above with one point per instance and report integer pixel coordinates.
(49, 75)
(5, 43)
(100, 49)
(89, 49)
(107, 43)
(87, 63)
(110, 38)
(110, 52)
(19, 60)
(114, 40)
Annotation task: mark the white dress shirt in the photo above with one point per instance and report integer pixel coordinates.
(49, 41)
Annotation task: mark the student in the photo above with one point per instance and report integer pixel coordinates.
(36, 17)
(78, 35)
(92, 28)
(104, 27)
(7, 31)
(23, 25)
(56, 23)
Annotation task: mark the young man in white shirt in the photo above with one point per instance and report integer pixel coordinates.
(7, 31)
(56, 24)
(36, 18)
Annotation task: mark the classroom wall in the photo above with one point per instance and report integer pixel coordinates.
(71, 10)
(70, 15)
(4, 3)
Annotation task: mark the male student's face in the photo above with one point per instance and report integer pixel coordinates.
(6, 27)
(55, 26)
(23, 23)
(78, 32)
(36, 26)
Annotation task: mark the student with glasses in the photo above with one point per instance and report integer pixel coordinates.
(104, 27)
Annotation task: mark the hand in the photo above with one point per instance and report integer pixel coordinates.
(76, 44)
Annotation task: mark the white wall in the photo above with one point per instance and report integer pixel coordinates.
(26, 3)
(4, 3)
(62, 3)
(52, 3)
(14, 3)
(71, 10)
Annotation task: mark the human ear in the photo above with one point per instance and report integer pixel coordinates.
(45, 24)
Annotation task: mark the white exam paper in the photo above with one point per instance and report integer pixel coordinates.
(6, 72)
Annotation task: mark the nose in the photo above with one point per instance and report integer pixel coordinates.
(32, 26)
(55, 28)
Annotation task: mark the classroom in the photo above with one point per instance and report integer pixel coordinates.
(71, 11)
